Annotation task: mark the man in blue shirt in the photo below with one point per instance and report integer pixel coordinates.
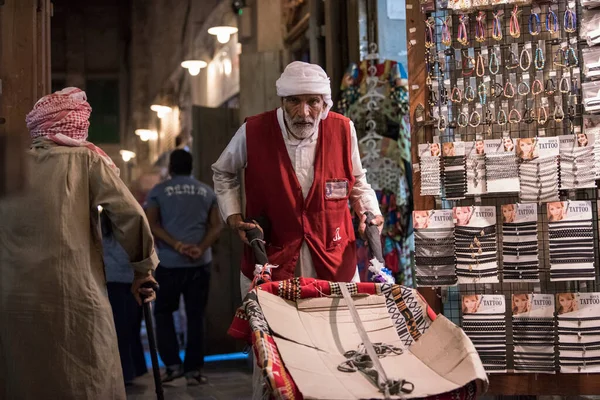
(184, 218)
(126, 312)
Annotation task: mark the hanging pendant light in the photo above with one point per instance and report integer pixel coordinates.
(146, 134)
(161, 111)
(127, 155)
(223, 33)
(194, 66)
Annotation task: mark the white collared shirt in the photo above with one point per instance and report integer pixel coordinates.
(302, 154)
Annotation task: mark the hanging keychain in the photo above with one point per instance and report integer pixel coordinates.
(537, 87)
(571, 55)
(489, 118)
(564, 86)
(480, 66)
(523, 88)
(480, 27)
(463, 119)
(429, 32)
(575, 86)
(432, 101)
(514, 119)
(528, 115)
(482, 92)
(559, 114)
(535, 27)
(494, 65)
(513, 61)
(570, 21)
(550, 87)
(525, 66)
(469, 94)
(496, 90)
(442, 123)
(456, 95)
(497, 27)
(463, 37)
(539, 60)
(443, 95)
(551, 22)
(477, 121)
(571, 112)
(542, 116)
(467, 70)
(514, 28)
(509, 90)
(501, 119)
(446, 36)
(559, 56)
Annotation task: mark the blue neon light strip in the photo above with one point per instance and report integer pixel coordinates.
(211, 358)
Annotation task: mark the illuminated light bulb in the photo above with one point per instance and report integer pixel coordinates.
(194, 66)
(127, 155)
(161, 111)
(146, 134)
(223, 33)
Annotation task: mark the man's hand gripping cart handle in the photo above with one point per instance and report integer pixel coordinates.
(377, 262)
(256, 238)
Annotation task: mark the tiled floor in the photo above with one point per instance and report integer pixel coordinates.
(226, 381)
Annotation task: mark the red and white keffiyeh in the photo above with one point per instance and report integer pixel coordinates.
(63, 117)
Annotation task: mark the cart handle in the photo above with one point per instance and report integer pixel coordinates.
(256, 238)
(373, 238)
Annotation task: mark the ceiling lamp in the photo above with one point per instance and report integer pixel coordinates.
(146, 134)
(194, 66)
(127, 155)
(162, 111)
(223, 33)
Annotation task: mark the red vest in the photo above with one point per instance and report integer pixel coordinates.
(322, 220)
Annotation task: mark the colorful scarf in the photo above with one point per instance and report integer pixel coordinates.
(63, 117)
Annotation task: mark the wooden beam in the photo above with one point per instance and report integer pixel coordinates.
(315, 22)
(297, 29)
(268, 23)
(334, 45)
(353, 31)
(418, 132)
(43, 14)
(24, 73)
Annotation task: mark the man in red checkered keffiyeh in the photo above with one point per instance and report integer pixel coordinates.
(63, 117)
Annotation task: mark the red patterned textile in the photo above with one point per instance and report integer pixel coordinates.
(292, 289)
(249, 324)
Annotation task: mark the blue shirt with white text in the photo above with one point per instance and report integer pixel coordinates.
(184, 204)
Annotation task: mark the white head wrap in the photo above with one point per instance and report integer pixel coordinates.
(302, 78)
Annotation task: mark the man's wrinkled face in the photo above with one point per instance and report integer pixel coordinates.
(302, 114)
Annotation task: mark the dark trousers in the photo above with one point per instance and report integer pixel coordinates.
(193, 283)
(128, 321)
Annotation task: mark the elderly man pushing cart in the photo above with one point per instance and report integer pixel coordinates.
(302, 166)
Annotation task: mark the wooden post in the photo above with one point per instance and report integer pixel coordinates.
(415, 30)
(336, 59)
(25, 76)
(352, 17)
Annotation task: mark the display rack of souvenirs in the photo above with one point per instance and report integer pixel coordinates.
(512, 146)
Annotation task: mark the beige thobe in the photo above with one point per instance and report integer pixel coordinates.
(57, 336)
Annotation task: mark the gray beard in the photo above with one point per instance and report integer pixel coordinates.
(300, 132)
